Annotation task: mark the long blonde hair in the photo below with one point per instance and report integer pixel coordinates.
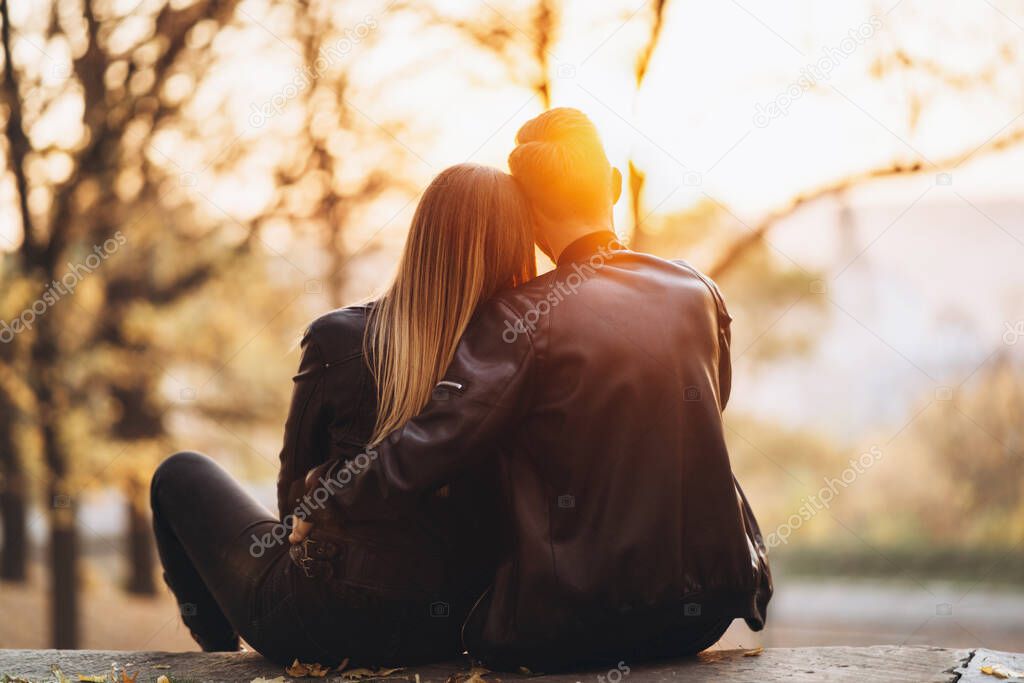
(470, 237)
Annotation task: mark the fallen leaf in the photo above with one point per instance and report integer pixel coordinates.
(163, 679)
(161, 666)
(753, 653)
(279, 679)
(92, 679)
(710, 656)
(61, 678)
(1000, 671)
(318, 671)
(125, 678)
(356, 674)
(475, 675)
(299, 669)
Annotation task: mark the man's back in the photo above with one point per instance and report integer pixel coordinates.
(619, 487)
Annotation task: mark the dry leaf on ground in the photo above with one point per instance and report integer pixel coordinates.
(999, 671)
(753, 653)
(299, 669)
(474, 675)
(162, 679)
(357, 674)
(92, 679)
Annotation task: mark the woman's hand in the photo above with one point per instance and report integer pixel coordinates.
(301, 527)
(300, 531)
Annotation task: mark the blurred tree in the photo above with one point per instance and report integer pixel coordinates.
(82, 214)
(13, 498)
(521, 38)
(976, 441)
(100, 363)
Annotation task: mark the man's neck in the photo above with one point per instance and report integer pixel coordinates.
(566, 235)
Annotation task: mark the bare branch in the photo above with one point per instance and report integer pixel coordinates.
(732, 254)
(643, 61)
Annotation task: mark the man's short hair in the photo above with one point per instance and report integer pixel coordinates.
(561, 165)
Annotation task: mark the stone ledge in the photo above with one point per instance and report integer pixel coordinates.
(891, 664)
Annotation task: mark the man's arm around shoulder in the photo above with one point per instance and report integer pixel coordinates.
(483, 394)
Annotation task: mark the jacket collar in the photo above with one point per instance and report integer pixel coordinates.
(588, 245)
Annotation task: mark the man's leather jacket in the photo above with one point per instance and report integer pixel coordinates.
(597, 391)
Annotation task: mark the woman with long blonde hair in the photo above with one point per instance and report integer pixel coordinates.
(470, 238)
(391, 584)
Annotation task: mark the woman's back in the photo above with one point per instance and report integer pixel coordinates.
(334, 403)
(437, 552)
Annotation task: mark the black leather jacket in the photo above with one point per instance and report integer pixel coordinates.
(597, 389)
(429, 552)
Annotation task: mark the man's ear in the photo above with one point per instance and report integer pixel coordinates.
(616, 185)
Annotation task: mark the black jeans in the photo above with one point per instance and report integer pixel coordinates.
(228, 584)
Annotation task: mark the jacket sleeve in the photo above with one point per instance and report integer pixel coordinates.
(483, 395)
(724, 349)
(305, 430)
(724, 334)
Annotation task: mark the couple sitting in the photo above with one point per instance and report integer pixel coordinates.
(531, 469)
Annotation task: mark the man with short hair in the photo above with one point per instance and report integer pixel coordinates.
(596, 390)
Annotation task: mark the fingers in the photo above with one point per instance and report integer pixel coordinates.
(311, 476)
(300, 531)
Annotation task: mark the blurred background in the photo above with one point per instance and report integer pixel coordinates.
(185, 184)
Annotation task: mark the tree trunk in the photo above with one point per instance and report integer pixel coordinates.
(14, 556)
(46, 385)
(64, 575)
(140, 543)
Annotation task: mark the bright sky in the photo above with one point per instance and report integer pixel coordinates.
(700, 123)
(695, 127)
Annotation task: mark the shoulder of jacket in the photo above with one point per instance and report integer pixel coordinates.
(339, 333)
(712, 286)
(526, 296)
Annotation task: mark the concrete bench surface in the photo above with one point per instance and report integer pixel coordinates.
(892, 664)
